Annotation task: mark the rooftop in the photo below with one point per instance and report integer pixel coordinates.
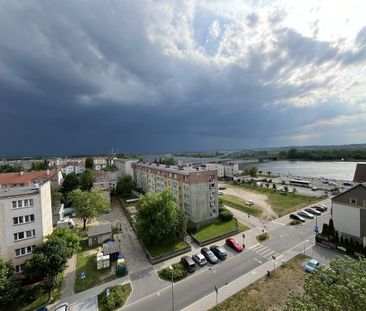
(10, 192)
(185, 170)
(25, 177)
(360, 173)
(101, 229)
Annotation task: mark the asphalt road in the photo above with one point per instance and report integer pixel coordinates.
(202, 282)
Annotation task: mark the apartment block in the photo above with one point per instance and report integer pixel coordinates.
(124, 166)
(25, 220)
(194, 189)
(224, 170)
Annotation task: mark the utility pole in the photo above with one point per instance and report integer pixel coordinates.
(173, 305)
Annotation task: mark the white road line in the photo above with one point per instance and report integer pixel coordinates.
(263, 250)
(256, 247)
(265, 254)
(269, 255)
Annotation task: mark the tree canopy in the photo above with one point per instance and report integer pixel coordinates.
(158, 217)
(70, 183)
(89, 204)
(339, 287)
(71, 238)
(125, 186)
(47, 261)
(89, 163)
(86, 180)
(9, 285)
(7, 168)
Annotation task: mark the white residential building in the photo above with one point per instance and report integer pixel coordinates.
(224, 170)
(124, 166)
(100, 163)
(25, 220)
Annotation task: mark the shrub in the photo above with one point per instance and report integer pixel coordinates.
(262, 237)
(179, 272)
(191, 227)
(222, 209)
(295, 222)
(325, 230)
(226, 215)
(116, 298)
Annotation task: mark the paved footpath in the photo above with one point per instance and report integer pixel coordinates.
(67, 288)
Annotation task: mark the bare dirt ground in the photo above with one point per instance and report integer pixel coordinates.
(259, 199)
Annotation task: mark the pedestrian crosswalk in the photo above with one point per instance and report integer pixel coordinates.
(265, 251)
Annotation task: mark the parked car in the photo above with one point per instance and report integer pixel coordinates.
(311, 265)
(305, 214)
(332, 183)
(346, 183)
(219, 251)
(220, 193)
(209, 255)
(199, 259)
(314, 188)
(313, 211)
(231, 242)
(249, 202)
(62, 307)
(320, 208)
(325, 181)
(188, 263)
(297, 217)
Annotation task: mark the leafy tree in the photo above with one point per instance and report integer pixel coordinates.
(89, 204)
(70, 183)
(9, 285)
(331, 226)
(89, 163)
(39, 165)
(86, 180)
(71, 238)
(158, 217)
(7, 168)
(339, 287)
(269, 173)
(125, 186)
(48, 260)
(274, 186)
(253, 171)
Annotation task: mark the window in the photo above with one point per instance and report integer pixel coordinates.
(30, 202)
(20, 203)
(26, 202)
(14, 204)
(22, 235)
(23, 219)
(19, 268)
(24, 251)
(15, 220)
(353, 201)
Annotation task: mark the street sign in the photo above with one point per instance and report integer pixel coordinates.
(274, 257)
(316, 229)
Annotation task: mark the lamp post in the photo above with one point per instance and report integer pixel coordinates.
(173, 306)
(243, 239)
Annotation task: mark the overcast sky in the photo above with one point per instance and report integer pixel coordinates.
(157, 76)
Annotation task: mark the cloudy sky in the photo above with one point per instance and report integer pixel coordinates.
(80, 76)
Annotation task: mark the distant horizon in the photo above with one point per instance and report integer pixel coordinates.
(353, 145)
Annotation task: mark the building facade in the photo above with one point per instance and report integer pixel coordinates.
(21, 179)
(349, 212)
(194, 189)
(124, 166)
(224, 170)
(25, 220)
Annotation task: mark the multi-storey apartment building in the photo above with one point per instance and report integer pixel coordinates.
(194, 189)
(25, 220)
(77, 167)
(224, 170)
(20, 179)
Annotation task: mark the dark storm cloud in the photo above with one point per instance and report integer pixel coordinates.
(79, 77)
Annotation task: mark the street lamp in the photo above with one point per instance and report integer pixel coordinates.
(243, 239)
(173, 306)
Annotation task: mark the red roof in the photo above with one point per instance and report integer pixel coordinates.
(25, 177)
(360, 173)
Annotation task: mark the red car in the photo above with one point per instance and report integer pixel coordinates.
(320, 208)
(234, 244)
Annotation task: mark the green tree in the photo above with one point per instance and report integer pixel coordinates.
(55, 195)
(48, 260)
(89, 163)
(70, 183)
(71, 238)
(9, 285)
(339, 287)
(125, 186)
(40, 165)
(7, 168)
(158, 217)
(89, 204)
(253, 171)
(86, 180)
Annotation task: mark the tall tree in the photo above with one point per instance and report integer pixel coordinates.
(125, 186)
(9, 285)
(71, 238)
(70, 183)
(158, 217)
(47, 261)
(253, 171)
(86, 180)
(89, 163)
(89, 204)
(339, 287)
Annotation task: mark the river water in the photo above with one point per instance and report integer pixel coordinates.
(327, 169)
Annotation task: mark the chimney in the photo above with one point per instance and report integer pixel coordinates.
(21, 173)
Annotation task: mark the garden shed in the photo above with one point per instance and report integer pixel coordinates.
(98, 234)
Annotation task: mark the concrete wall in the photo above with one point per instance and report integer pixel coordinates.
(346, 219)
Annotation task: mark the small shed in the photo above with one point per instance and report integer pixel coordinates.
(112, 249)
(98, 234)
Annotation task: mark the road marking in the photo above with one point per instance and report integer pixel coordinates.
(255, 246)
(268, 254)
(158, 294)
(260, 248)
(263, 250)
(257, 260)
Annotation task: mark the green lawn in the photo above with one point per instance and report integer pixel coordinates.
(215, 229)
(168, 245)
(24, 301)
(242, 227)
(116, 299)
(282, 204)
(93, 277)
(268, 293)
(239, 204)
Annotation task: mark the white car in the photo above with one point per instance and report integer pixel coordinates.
(249, 202)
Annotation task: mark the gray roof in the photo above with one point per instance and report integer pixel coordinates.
(360, 173)
(110, 248)
(101, 229)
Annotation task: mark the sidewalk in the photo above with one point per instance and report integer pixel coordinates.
(67, 288)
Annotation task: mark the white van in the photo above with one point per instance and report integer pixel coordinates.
(66, 223)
